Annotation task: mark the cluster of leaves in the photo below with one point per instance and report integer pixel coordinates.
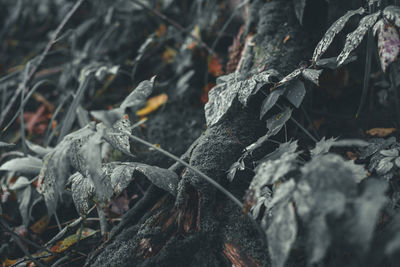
(312, 205)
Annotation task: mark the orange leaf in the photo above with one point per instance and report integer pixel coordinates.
(286, 39)
(161, 30)
(169, 55)
(39, 226)
(214, 67)
(152, 104)
(380, 132)
(7, 262)
(67, 242)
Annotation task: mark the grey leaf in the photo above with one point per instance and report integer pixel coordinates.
(295, 92)
(6, 145)
(367, 208)
(281, 234)
(323, 146)
(238, 165)
(293, 75)
(385, 165)
(251, 86)
(271, 171)
(121, 175)
(117, 135)
(390, 152)
(183, 83)
(283, 193)
(376, 144)
(392, 13)
(312, 75)
(287, 147)
(331, 63)
(354, 38)
(276, 122)
(82, 193)
(59, 163)
(162, 178)
(318, 239)
(27, 165)
(39, 150)
(108, 117)
(137, 98)
(270, 101)
(299, 6)
(334, 29)
(24, 192)
(397, 162)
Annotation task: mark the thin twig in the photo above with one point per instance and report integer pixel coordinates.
(23, 85)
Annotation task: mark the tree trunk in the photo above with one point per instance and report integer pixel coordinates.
(201, 227)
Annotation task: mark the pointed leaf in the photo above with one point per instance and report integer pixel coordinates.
(354, 38)
(312, 75)
(39, 150)
(82, 193)
(275, 123)
(334, 29)
(24, 192)
(26, 165)
(281, 234)
(138, 97)
(295, 92)
(270, 101)
(117, 135)
(6, 145)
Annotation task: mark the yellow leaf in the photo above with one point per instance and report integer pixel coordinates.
(152, 104)
(380, 132)
(39, 226)
(71, 240)
(169, 55)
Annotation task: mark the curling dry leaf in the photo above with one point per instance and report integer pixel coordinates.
(354, 38)
(380, 132)
(388, 43)
(152, 104)
(334, 29)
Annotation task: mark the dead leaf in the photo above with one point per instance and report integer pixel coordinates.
(39, 226)
(152, 104)
(161, 30)
(214, 67)
(169, 55)
(286, 39)
(380, 132)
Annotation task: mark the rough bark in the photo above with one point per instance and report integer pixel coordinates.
(201, 227)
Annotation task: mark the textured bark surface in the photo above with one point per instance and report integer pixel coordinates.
(201, 227)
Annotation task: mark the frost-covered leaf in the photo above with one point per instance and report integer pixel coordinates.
(293, 75)
(271, 171)
(24, 192)
(276, 122)
(6, 145)
(287, 147)
(375, 145)
(367, 208)
(251, 86)
(324, 145)
(295, 92)
(25, 165)
(334, 29)
(388, 43)
(392, 13)
(118, 135)
(162, 178)
(82, 193)
(385, 165)
(39, 150)
(281, 234)
(354, 38)
(137, 98)
(312, 75)
(59, 163)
